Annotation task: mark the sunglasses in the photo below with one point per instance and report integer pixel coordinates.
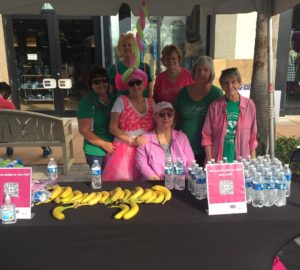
(163, 114)
(133, 82)
(98, 81)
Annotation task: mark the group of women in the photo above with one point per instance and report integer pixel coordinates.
(131, 130)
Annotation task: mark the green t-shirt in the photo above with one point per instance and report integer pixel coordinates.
(91, 107)
(192, 115)
(122, 68)
(233, 111)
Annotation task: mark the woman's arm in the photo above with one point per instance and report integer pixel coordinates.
(85, 129)
(207, 149)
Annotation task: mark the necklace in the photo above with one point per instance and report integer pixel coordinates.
(168, 144)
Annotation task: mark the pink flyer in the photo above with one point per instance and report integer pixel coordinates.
(17, 182)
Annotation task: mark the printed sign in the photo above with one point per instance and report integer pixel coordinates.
(17, 182)
(226, 189)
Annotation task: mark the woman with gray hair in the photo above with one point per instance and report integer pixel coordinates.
(192, 103)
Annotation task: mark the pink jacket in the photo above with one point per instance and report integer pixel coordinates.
(150, 157)
(214, 129)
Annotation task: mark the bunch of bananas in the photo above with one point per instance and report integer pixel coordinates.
(127, 200)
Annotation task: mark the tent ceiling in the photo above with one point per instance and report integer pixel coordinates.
(155, 7)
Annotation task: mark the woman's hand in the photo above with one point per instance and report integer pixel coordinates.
(140, 140)
(108, 147)
(154, 177)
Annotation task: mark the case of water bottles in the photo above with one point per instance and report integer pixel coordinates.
(267, 181)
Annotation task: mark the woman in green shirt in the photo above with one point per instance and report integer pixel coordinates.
(192, 103)
(94, 116)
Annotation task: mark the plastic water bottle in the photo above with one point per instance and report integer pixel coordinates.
(258, 191)
(179, 175)
(190, 172)
(281, 187)
(52, 169)
(248, 185)
(200, 184)
(169, 173)
(193, 182)
(96, 175)
(269, 188)
(288, 177)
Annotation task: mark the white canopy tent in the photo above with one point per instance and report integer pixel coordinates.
(166, 8)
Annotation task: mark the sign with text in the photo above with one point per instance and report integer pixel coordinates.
(226, 188)
(17, 182)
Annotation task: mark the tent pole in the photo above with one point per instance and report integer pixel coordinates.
(271, 91)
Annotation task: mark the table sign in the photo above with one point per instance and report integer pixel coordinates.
(226, 188)
(17, 182)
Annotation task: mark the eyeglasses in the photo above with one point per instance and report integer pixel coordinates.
(98, 81)
(133, 82)
(163, 114)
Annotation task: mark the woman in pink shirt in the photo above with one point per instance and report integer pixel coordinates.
(230, 128)
(163, 142)
(169, 82)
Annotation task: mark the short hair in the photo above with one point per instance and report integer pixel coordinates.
(4, 87)
(204, 60)
(95, 72)
(167, 50)
(123, 38)
(230, 72)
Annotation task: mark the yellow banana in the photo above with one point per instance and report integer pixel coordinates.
(147, 194)
(152, 198)
(160, 197)
(117, 193)
(137, 193)
(134, 209)
(67, 199)
(105, 196)
(96, 199)
(127, 194)
(57, 190)
(66, 193)
(88, 198)
(167, 192)
(77, 194)
(57, 212)
(57, 200)
(124, 209)
(84, 195)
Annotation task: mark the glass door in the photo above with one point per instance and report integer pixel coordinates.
(32, 52)
(77, 46)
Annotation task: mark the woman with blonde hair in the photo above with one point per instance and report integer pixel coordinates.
(125, 51)
(169, 82)
(193, 101)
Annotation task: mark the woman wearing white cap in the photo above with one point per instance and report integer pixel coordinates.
(131, 117)
(163, 142)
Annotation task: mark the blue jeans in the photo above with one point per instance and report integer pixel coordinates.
(90, 160)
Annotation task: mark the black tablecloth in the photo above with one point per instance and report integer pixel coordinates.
(178, 235)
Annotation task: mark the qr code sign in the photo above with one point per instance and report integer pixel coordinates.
(12, 189)
(226, 187)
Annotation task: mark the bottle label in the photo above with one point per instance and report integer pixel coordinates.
(248, 184)
(201, 181)
(96, 172)
(8, 215)
(52, 169)
(258, 186)
(168, 171)
(288, 177)
(281, 186)
(269, 186)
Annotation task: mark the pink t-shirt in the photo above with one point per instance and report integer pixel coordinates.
(6, 104)
(164, 90)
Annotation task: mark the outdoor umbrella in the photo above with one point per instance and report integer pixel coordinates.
(166, 8)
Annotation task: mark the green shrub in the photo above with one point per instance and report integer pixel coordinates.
(284, 147)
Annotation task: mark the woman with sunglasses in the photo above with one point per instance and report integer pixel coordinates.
(125, 51)
(93, 117)
(163, 142)
(169, 82)
(131, 118)
(193, 101)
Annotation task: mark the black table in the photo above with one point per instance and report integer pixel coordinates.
(178, 235)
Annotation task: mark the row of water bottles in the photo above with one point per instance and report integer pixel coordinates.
(175, 176)
(267, 181)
